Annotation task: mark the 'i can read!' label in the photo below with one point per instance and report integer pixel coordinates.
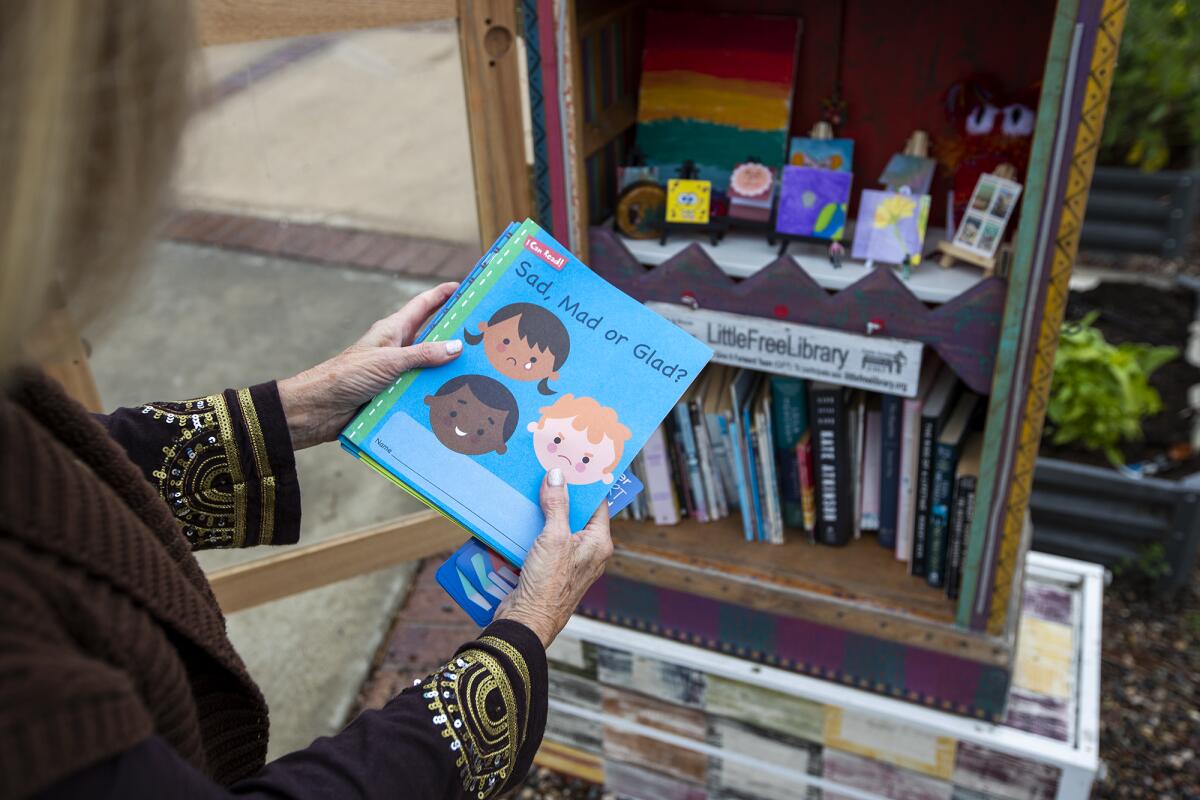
(545, 253)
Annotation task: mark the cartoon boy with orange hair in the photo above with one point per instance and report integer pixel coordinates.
(581, 437)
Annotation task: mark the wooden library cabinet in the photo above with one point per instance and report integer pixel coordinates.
(850, 614)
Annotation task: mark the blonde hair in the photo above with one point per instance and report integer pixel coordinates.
(93, 99)
(595, 420)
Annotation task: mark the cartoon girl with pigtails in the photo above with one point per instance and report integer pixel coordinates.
(524, 342)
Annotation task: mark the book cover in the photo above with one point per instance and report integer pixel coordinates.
(910, 435)
(872, 455)
(679, 473)
(937, 407)
(856, 416)
(962, 512)
(949, 444)
(714, 494)
(830, 463)
(664, 505)
(891, 418)
(550, 353)
(789, 410)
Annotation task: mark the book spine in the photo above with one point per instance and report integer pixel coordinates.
(829, 462)
(752, 472)
(664, 506)
(892, 411)
(695, 480)
(907, 501)
(737, 443)
(679, 473)
(713, 493)
(773, 531)
(945, 461)
(718, 431)
(804, 473)
(924, 496)
(787, 410)
(961, 516)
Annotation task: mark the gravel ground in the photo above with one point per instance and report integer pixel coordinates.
(1150, 694)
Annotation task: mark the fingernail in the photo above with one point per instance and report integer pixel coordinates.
(453, 346)
(555, 477)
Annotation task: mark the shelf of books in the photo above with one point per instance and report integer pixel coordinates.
(844, 491)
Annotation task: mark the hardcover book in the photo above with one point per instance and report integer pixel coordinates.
(830, 462)
(945, 461)
(891, 417)
(910, 440)
(937, 408)
(789, 407)
(551, 351)
(962, 513)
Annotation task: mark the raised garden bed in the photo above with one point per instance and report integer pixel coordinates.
(1081, 506)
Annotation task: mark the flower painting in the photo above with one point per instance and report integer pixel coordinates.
(890, 227)
(812, 202)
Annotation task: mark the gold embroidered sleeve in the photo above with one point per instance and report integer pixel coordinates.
(489, 709)
(222, 463)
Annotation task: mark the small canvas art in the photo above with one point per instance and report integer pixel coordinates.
(688, 201)
(991, 205)
(628, 176)
(822, 153)
(751, 192)
(812, 202)
(914, 172)
(890, 227)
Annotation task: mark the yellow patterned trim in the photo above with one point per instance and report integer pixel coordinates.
(266, 478)
(232, 456)
(514, 655)
(485, 746)
(1066, 245)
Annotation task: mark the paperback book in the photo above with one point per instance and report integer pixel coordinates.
(551, 351)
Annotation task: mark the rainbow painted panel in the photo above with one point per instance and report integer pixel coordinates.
(716, 90)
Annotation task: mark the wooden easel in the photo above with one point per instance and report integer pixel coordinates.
(952, 253)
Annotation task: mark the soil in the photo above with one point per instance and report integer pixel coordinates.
(1149, 693)
(1131, 312)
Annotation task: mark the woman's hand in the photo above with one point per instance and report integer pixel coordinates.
(320, 401)
(560, 566)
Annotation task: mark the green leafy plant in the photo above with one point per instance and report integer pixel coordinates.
(1154, 109)
(1101, 392)
(1148, 567)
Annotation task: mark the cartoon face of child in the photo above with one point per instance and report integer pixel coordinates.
(524, 342)
(473, 415)
(581, 437)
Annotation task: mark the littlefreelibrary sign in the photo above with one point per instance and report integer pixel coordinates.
(874, 363)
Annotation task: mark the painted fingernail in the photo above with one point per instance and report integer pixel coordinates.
(555, 477)
(453, 346)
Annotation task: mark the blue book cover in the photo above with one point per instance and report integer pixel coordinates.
(551, 354)
(741, 389)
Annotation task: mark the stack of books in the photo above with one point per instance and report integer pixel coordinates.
(829, 463)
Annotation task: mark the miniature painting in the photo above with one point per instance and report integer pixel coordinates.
(751, 192)
(992, 204)
(822, 153)
(890, 227)
(812, 202)
(688, 201)
(716, 89)
(914, 172)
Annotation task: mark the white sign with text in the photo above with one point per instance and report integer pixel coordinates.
(874, 363)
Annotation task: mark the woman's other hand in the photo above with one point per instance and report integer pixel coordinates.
(560, 566)
(320, 401)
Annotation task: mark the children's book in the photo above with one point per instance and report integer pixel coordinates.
(741, 390)
(551, 352)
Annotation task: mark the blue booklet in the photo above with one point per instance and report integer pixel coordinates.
(559, 369)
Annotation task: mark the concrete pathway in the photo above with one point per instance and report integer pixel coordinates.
(203, 319)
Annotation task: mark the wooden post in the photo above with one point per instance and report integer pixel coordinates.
(492, 78)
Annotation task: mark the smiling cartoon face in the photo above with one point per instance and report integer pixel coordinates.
(512, 356)
(469, 424)
(558, 443)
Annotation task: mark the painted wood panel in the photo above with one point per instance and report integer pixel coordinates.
(633, 748)
(887, 780)
(733, 779)
(764, 708)
(890, 742)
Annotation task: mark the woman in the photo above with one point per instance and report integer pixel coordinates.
(116, 676)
